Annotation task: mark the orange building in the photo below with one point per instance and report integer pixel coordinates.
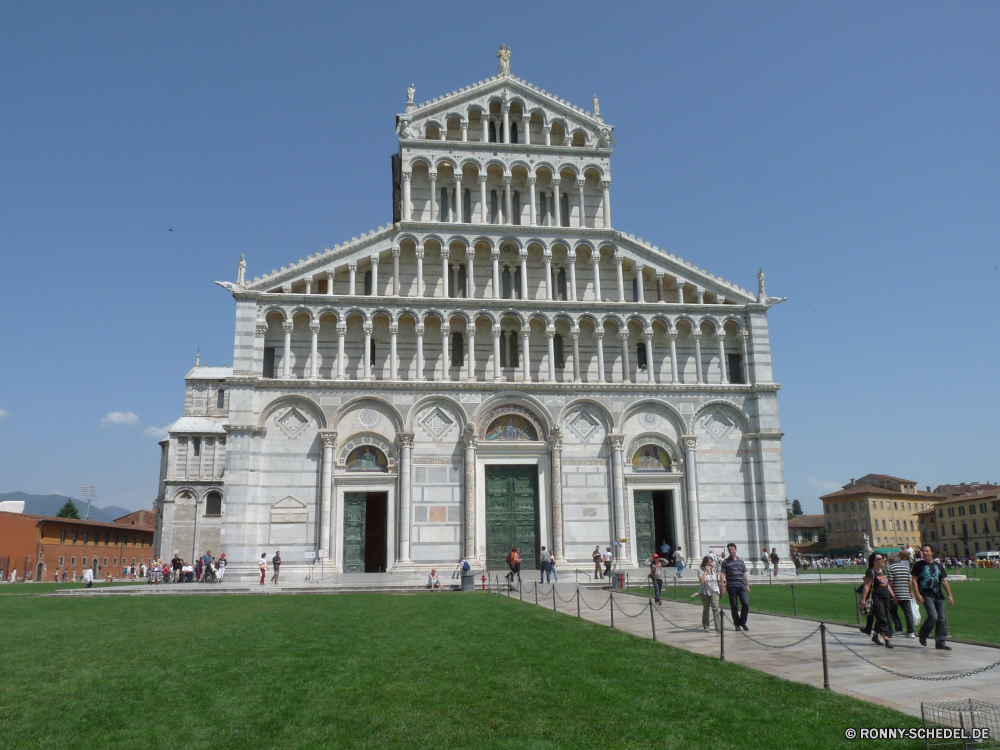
(40, 547)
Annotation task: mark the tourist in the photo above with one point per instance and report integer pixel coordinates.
(88, 577)
(552, 567)
(877, 585)
(434, 580)
(598, 557)
(664, 550)
(262, 564)
(931, 582)
(775, 559)
(177, 564)
(206, 560)
(199, 568)
(608, 560)
(656, 575)
(276, 562)
(737, 585)
(679, 561)
(13, 576)
(545, 563)
(902, 583)
(221, 566)
(709, 592)
(516, 560)
(767, 563)
(510, 566)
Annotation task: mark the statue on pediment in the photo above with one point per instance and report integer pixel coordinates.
(241, 270)
(504, 57)
(597, 108)
(761, 296)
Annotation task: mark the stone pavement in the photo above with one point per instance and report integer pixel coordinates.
(679, 625)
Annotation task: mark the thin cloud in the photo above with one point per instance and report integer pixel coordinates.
(120, 417)
(157, 432)
(823, 486)
(4, 415)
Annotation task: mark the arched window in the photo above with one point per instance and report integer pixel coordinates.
(516, 208)
(493, 132)
(513, 132)
(564, 205)
(466, 206)
(213, 504)
(561, 284)
(506, 292)
(541, 210)
(557, 351)
(371, 358)
(220, 400)
(368, 282)
(462, 285)
(457, 349)
(515, 339)
(494, 207)
(635, 290)
(517, 283)
(640, 356)
(443, 215)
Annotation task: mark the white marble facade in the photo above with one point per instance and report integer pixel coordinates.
(499, 321)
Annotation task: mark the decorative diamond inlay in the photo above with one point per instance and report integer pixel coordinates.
(293, 422)
(584, 424)
(718, 425)
(437, 423)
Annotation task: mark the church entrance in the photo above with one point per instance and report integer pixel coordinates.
(365, 530)
(654, 522)
(512, 514)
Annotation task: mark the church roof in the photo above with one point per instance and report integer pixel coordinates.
(209, 373)
(198, 424)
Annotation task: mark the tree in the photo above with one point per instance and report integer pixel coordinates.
(822, 534)
(796, 508)
(68, 511)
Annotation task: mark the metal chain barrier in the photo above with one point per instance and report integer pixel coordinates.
(627, 614)
(565, 601)
(912, 676)
(679, 627)
(985, 617)
(725, 616)
(595, 609)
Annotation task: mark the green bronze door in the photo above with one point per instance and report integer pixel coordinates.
(354, 531)
(645, 541)
(512, 514)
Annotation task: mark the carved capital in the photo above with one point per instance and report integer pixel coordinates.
(287, 326)
(532, 179)
(420, 251)
(495, 254)
(352, 266)
(445, 330)
(328, 438)
(550, 333)
(419, 330)
(506, 180)
(393, 329)
(615, 440)
(374, 260)
(406, 176)
(469, 436)
(432, 175)
(547, 256)
(555, 439)
(261, 329)
(623, 335)
(366, 327)
(575, 334)
(405, 439)
(496, 332)
(525, 333)
(482, 179)
(395, 251)
(314, 329)
(648, 333)
(599, 333)
(619, 258)
(605, 184)
(547, 128)
(689, 442)
(581, 183)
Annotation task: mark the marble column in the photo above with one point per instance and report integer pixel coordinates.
(352, 269)
(328, 439)
(555, 461)
(523, 257)
(621, 280)
(286, 358)
(626, 368)
(470, 440)
(571, 255)
(405, 212)
(579, 192)
(689, 443)
(434, 197)
(640, 293)
(445, 354)
(445, 257)
(485, 120)
(532, 218)
(697, 356)
(420, 352)
(673, 356)
(746, 360)
(525, 354)
(314, 352)
(650, 365)
(465, 130)
(556, 203)
(329, 282)
(420, 271)
(606, 187)
(596, 259)
(368, 351)
(459, 198)
(508, 204)
(393, 365)
(526, 129)
(308, 285)
(550, 336)
(548, 134)
(497, 289)
(721, 336)
(496, 354)
(576, 356)
(483, 210)
(547, 257)
(470, 272)
(374, 260)
(618, 477)
(600, 355)
(341, 354)
(659, 286)
(680, 291)
(700, 295)
(395, 270)
(452, 207)
(506, 123)
(405, 470)
(470, 351)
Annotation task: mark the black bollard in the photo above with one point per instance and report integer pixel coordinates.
(857, 606)
(553, 597)
(520, 590)
(536, 593)
(578, 602)
(722, 637)
(652, 622)
(611, 604)
(826, 671)
(795, 611)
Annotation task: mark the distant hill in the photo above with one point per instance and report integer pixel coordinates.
(49, 505)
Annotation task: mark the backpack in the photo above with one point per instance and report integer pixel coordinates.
(465, 566)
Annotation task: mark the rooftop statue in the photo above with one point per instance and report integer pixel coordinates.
(504, 57)
(241, 270)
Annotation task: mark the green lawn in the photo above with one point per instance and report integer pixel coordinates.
(382, 671)
(23, 589)
(976, 618)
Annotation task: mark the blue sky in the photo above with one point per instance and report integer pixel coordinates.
(848, 148)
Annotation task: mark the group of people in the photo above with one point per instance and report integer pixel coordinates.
(890, 586)
(275, 565)
(206, 569)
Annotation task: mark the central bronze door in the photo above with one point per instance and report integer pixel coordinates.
(512, 515)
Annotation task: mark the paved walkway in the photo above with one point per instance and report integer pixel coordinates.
(680, 625)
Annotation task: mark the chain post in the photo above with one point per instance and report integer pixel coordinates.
(536, 593)
(722, 636)
(857, 606)
(553, 597)
(826, 670)
(795, 611)
(520, 590)
(577, 602)
(675, 587)
(652, 622)
(611, 602)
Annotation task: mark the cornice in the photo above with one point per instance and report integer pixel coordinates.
(610, 390)
(492, 149)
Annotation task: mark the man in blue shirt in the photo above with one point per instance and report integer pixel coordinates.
(736, 583)
(206, 561)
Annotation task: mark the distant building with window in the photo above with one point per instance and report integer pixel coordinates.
(964, 525)
(804, 529)
(37, 546)
(880, 506)
(495, 366)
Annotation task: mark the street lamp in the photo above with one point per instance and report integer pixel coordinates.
(89, 494)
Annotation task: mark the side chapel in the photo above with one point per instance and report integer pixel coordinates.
(496, 367)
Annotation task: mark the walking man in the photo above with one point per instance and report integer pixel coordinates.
(276, 562)
(608, 560)
(598, 573)
(679, 561)
(775, 559)
(656, 574)
(931, 582)
(262, 564)
(206, 561)
(902, 584)
(737, 585)
(88, 577)
(546, 565)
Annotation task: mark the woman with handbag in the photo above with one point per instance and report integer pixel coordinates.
(879, 588)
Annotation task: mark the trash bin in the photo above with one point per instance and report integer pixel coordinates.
(468, 582)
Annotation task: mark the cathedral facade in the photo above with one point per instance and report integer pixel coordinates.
(497, 367)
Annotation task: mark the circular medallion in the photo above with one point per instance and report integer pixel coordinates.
(368, 418)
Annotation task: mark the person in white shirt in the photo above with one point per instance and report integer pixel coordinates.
(88, 577)
(13, 576)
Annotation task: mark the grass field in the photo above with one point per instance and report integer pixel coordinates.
(381, 671)
(23, 589)
(976, 618)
